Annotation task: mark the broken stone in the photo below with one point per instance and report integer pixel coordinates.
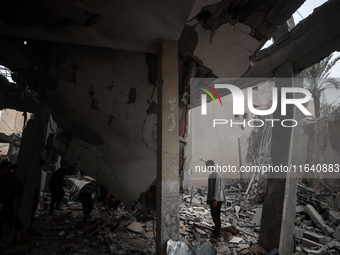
(136, 227)
(299, 232)
(223, 250)
(336, 233)
(176, 247)
(314, 237)
(241, 247)
(334, 217)
(300, 209)
(61, 233)
(207, 249)
(318, 220)
(237, 210)
(149, 234)
(257, 217)
(236, 239)
(233, 221)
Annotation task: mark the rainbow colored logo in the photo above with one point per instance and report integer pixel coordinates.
(209, 93)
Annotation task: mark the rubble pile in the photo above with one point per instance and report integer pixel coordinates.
(122, 232)
(240, 222)
(64, 232)
(317, 226)
(317, 223)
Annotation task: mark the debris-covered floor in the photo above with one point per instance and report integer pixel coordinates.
(317, 228)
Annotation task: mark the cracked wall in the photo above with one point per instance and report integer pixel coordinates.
(104, 99)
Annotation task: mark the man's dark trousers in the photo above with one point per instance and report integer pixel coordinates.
(216, 215)
(87, 202)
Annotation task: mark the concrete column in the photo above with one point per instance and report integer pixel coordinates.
(167, 146)
(31, 148)
(277, 224)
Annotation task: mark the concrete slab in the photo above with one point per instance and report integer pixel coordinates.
(314, 237)
(136, 227)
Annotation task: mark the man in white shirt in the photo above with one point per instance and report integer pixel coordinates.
(216, 197)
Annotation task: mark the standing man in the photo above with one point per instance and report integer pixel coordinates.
(57, 184)
(87, 196)
(10, 195)
(216, 197)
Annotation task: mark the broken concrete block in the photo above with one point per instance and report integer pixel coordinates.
(318, 220)
(207, 248)
(149, 234)
(314, 237)
(299, 232)
(236, 239)
(237, 210)
(336, 233)
(224, 250)
(241, 247)
(334, 217)
(257, 217)
(300, 209)
(61, 233)
(233, 221)
(176, 247)
(136, 227)
(309, 243)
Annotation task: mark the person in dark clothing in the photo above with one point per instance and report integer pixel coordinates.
(216, 197)
(111, 202)
(57, 184)
(87, 196)
(10, 194)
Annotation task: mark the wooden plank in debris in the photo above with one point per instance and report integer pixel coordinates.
(94, 231)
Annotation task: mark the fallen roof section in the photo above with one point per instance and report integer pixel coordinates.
(310, 41)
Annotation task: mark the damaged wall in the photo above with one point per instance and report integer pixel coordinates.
(104, 99)
(231, 32)
(321, 142)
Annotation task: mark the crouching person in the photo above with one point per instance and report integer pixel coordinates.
(87, 196)
(111, 202)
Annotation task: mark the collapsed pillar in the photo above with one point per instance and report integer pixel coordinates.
(167, 146)
(28, 172)
(277, 223)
